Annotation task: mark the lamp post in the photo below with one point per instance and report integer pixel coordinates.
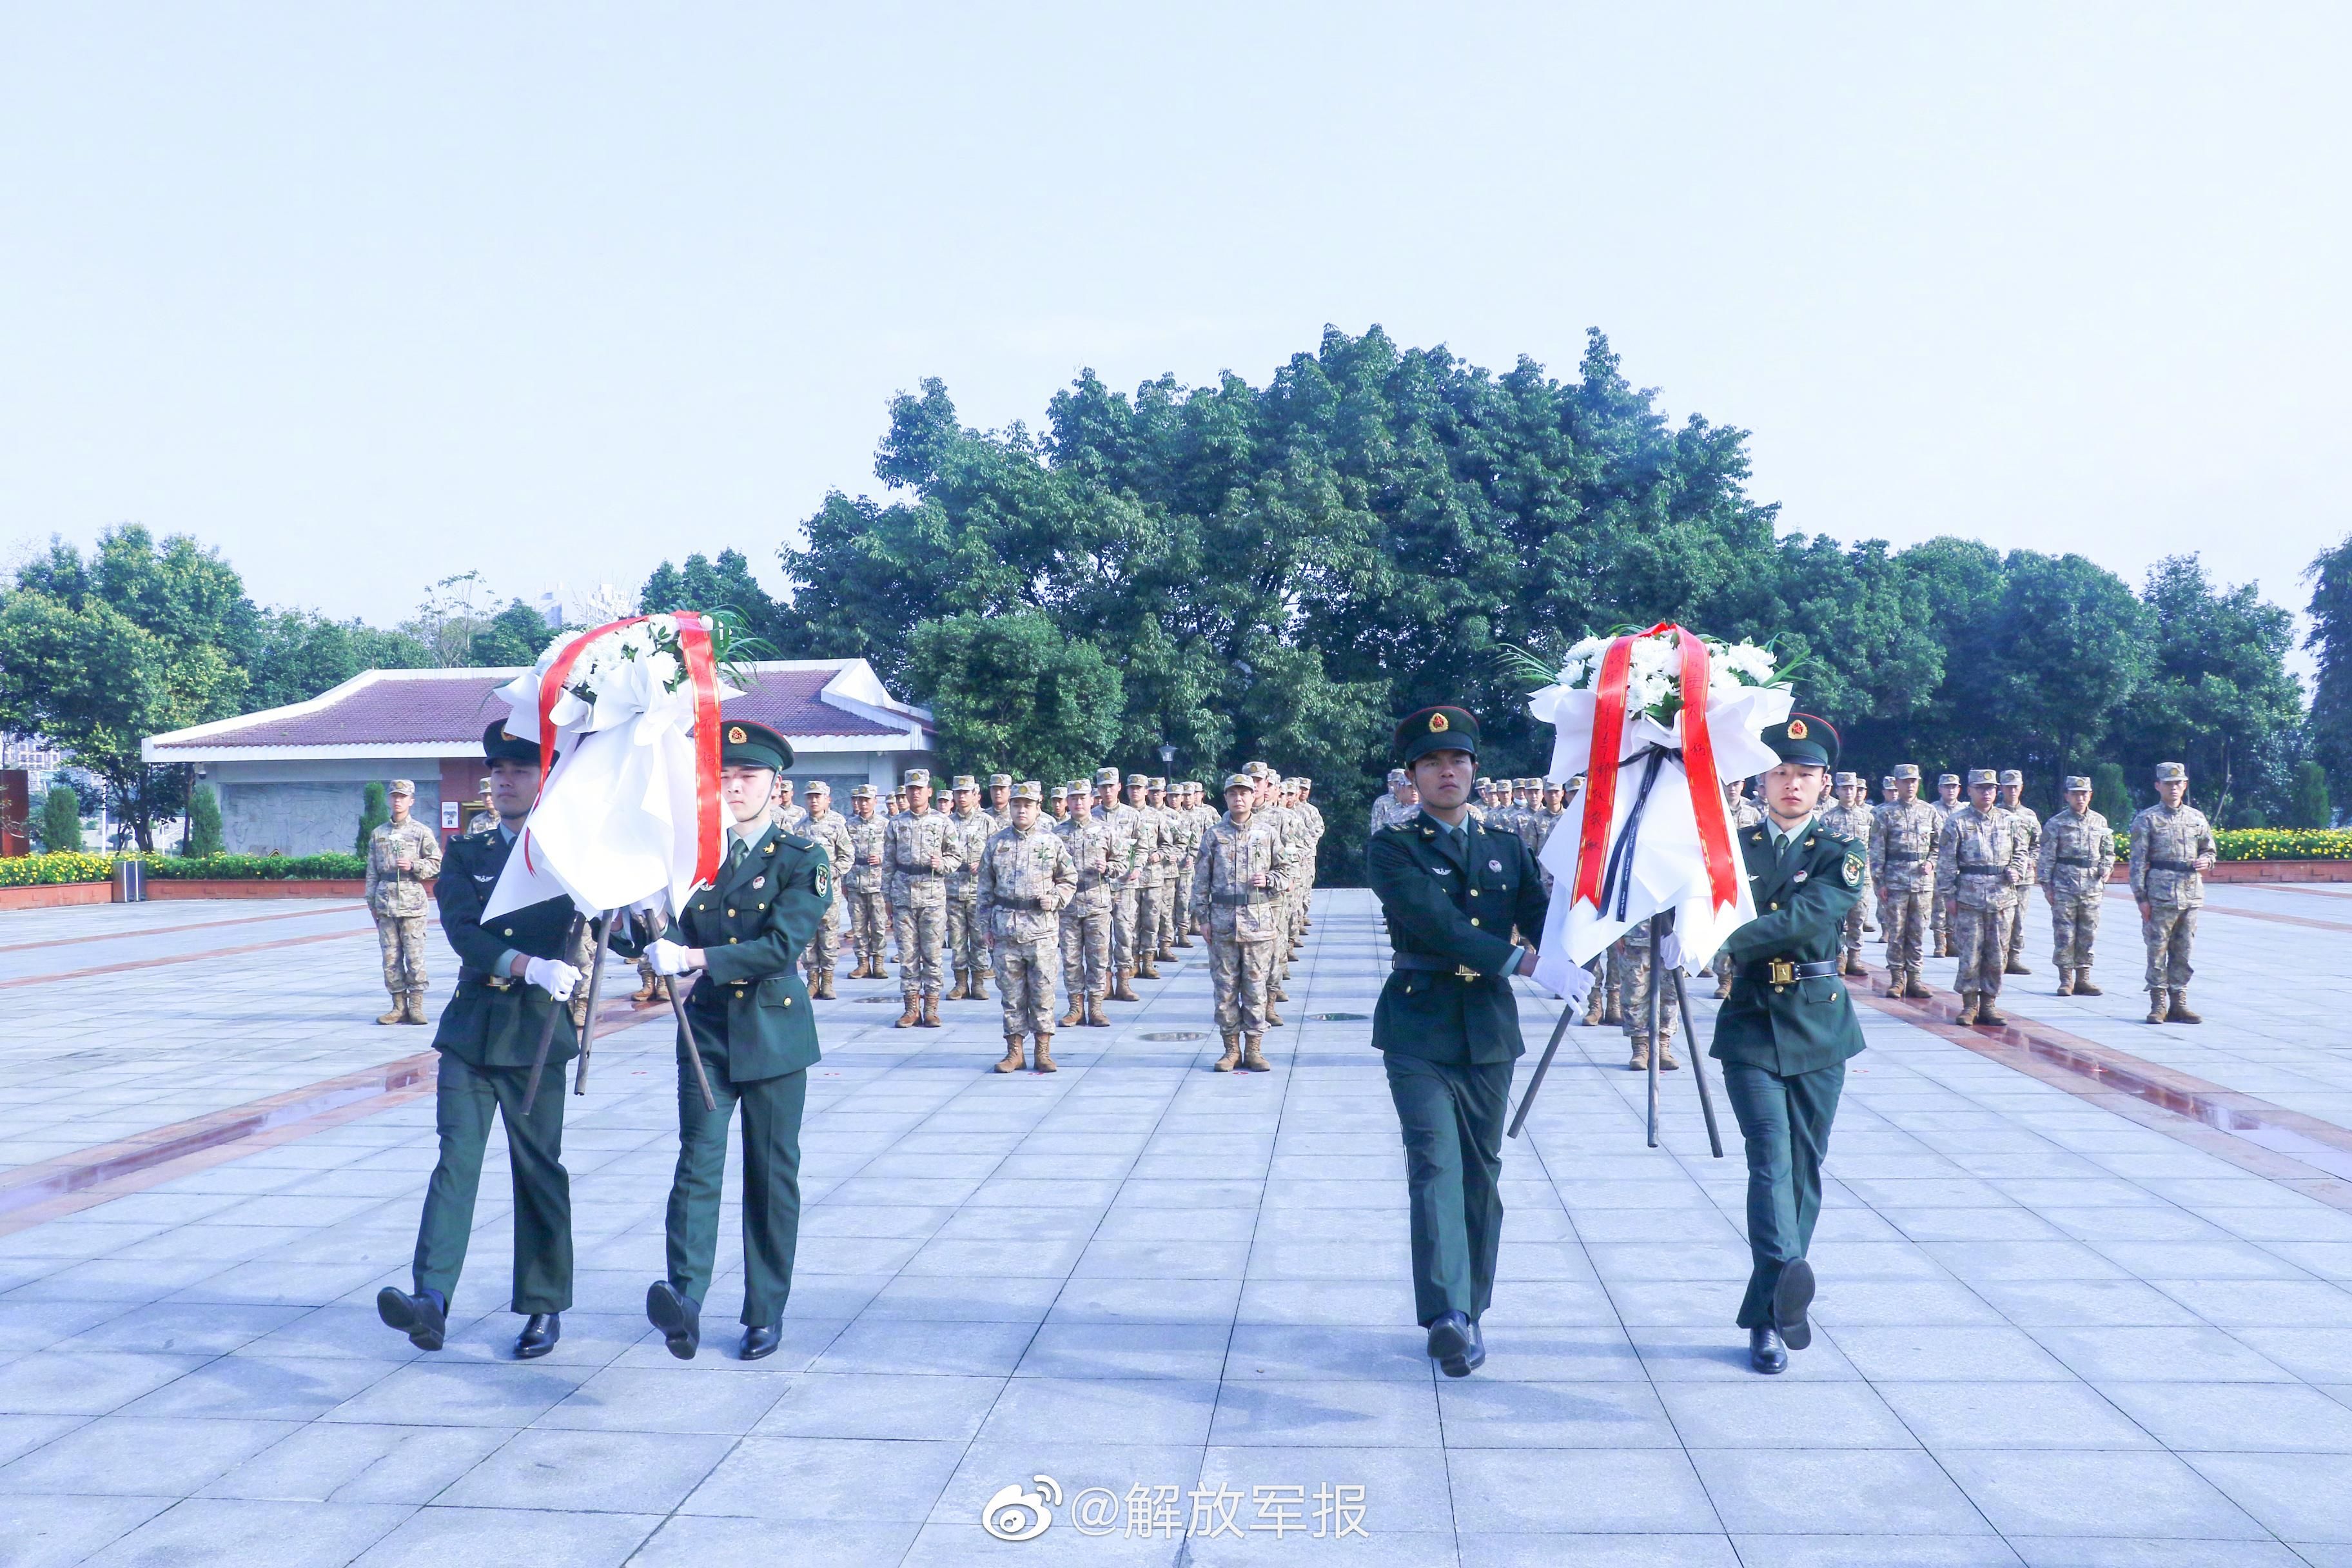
(1166, 755)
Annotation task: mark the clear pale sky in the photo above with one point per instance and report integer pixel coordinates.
(365, 296)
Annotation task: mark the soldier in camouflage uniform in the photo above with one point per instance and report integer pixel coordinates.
(829, 831)
(1314, 825)
(1057, 803)
(1849, 818)
(1000, 801)
(869, 909)
(1026, 876)
(921, 845)
(1150, 845)
(2171, 846)
(1168, 895)
(1743, 813)
(1633, 1003)
(1395, 804)
(1904, 837)
(1237, 898)
(1185, 802)
(1947, 801)
(2010, 797)
(1984, 856)
(1086, 918)
(2077, 852)
(782, 812)
(1119, 823)
(968, 829)
(403, 855)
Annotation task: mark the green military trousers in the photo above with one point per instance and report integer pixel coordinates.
(1786, 1123)
(1451, 1116)
(772, 1179)
(464, 1102)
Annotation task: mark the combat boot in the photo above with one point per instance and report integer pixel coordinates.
(1165, 954)
(1144, 968)
(1967, 1008)
(1253, 1059)
(979, 992)
(1640, 1062)
(1124, 991)
(1893, 984)
(2083, 987)
(651, 988)
(1232, 1054)
(414, 1011)
(399, 1014)
(825, 983)
(1592, 1007)
(1722, 986)
(1012, 1062)
(912, 1016)
(2159, 1003)
(1666, 1062)
(1094, 1018)
(1275, 993)
(2180, 1012)
(1077, 1015)
(1043, 1056)
(959, 991)
(2065, 983)
(1273, 1019)
(930, 1018)
(1989, 1015)
(2015, 965)
(1915, 989)
(1185, 939)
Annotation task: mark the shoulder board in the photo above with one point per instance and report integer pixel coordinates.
(799, 841)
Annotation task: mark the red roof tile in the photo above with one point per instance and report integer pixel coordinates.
(402, 708)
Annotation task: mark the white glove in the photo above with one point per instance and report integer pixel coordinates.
(667, 957)
(553, 976)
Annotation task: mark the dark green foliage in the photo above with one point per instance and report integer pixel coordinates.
(302, 653)
(513, 637)
(1013, 693)
(375, 810)
(261, 867)
(60, 824)
(204, 821)
(2110, 797)
(2311, 805)
(2330, 639)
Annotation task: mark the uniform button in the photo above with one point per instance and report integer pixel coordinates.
(732, 940)
(1780, 988)
(1474, 919)
(731, 911)
(1774, 904)
(509, 932)
(788, 1001)
(1474, 892)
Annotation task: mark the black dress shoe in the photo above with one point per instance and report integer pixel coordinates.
(419, 1317)
(762, 1340)
(539, 1333)
(1765, 1352)
(1790, 1297)
(677, 1315)
(1456, 1345)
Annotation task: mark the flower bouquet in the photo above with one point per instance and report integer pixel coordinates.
(1641, 713)
(626, 715)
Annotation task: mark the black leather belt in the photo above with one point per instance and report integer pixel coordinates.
(486, 980)
(1787, 972)
(2186, 867)
(1421, 963)
(1255, 896)
(2073, 860)
(1983, 868)
(1033, 906)
(919, 876)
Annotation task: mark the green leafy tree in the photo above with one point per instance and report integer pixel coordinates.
(60, 824)
(1013, 692)
(2330, 639)
(95, 655)
(2110, 797)
(204, 821)
(2219, 697)
(375, 810)
(2311, 805)
(724, 584)
(302, 653)
(516, 634)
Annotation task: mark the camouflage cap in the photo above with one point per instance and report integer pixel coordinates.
(1080, 787)
(2168, 772)
(1906, 771)
(816, 786)
(862, 792)
(1139, 780)
(1846, 781)
(2013, 777)
(1888, 782)
(1106, 777)
(1943, 779)
(1398, 775)
(914, 776)
(1030, 790)
(1158, 784)
(1240, 781)
(1059, 791)
(964, 780)
(2077, 781)
(401, 786)
(1000, 780)
(1983, 776)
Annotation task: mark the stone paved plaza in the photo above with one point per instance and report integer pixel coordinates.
(2055, 1328)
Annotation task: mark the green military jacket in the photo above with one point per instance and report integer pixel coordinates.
(750, 1008)
(1799, 1025)
(494, 1020)
(1450, 914)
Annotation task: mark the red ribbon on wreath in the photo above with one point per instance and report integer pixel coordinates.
(701, 668)
(1698, 763)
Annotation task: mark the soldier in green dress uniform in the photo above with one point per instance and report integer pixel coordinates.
(744, 934)
(1447, 1023)
(1785, 1034)
(512, 974)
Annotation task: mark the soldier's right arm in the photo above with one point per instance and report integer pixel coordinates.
(1205, 880)
(2139, 836)
(368, 889)
(460, 899)
(987, 886)
(2046, 859)
(1948, 852)
(1418, 910)
(428, 858)
(2104, 857)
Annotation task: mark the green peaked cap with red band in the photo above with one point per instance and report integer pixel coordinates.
(1445, 728)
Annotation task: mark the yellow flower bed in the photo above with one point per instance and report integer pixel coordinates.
(63, 866)
(2272, 843)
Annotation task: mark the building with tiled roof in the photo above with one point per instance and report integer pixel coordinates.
(292, 779)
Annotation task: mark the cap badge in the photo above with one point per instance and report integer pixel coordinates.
(737, 735)
(1796, 729)
(1437, 724)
